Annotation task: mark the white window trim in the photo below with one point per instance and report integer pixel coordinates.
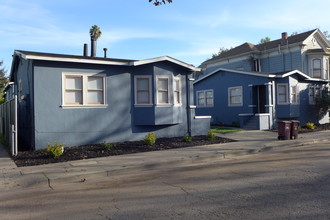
(287, 93)
(239, 104)
(168, 90)
(326, 68)
(205, 99)
(174, 92)
(150, 91)
(321, 67)
(84, 90)
(297, 95)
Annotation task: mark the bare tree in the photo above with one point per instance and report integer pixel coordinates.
(160, 2)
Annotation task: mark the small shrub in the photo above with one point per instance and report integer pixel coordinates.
(150, 138)
(310, 125)
(55, 150)
(235, 124)
(107, 146)
(211, 135)
(187, 138)
(3, 139)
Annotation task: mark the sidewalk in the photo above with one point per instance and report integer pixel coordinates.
(248, 142)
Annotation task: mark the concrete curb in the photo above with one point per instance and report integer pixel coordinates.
(81, 171)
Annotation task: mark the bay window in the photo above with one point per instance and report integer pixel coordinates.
(282, 93)
(142, 90)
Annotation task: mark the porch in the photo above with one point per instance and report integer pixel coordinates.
(259, 121)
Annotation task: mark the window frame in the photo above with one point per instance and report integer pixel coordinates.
(177, 100)
(204, 92)
(286, 85)
(318, 69)
(95, 90)
(166, 91)
(150, 99)
(230, 96)
(84, 90)
(294, 90)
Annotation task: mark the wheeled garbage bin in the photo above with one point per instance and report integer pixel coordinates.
(294, 129)
(284, 130)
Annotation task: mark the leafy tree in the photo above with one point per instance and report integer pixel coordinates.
(327, 35)
(323, 104)
(3, 81)
(221, 51)
(160, 2)
(264, 40)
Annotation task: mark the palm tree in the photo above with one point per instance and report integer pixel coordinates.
(95, 34)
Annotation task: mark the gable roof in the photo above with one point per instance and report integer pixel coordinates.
(29, 55)
(251, 73)
(251, 48)
(264, 75)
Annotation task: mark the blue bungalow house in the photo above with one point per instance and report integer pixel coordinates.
(78, 100)
(257, 85)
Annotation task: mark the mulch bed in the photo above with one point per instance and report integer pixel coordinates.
(38, 157)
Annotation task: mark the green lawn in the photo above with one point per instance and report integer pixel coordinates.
(224, 130)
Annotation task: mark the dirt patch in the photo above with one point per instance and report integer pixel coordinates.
(38, 157)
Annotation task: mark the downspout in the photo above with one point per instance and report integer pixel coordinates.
(188, 105)
(274, 104)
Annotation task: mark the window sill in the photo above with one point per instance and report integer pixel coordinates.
(204, 106)
(143, 105)
(83, 106)
(238, 105)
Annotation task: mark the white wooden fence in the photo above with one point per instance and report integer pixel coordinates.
(8, 123)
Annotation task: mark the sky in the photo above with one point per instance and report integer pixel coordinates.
(188, 30)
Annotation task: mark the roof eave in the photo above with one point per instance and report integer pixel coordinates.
(70, 59)
(265, 75)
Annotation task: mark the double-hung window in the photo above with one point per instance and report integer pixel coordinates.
(317, 68)
(235, 96)
(282, 94)
(73, 90)
(83, 90)
(142, 90)
(205, 98)
(163, 90)
(294, 94)
(176, 91)
(95, 91)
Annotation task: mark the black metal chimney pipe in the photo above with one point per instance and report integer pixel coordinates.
(105, 52)
(85, 50)
(93, 47)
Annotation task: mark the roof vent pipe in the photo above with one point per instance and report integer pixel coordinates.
(105, 52)
(93, 47)
(284, 38)
(85, 50)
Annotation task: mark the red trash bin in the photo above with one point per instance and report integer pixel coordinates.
(294, 129)
(284, 130)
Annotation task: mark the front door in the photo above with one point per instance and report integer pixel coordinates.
(259, 99)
